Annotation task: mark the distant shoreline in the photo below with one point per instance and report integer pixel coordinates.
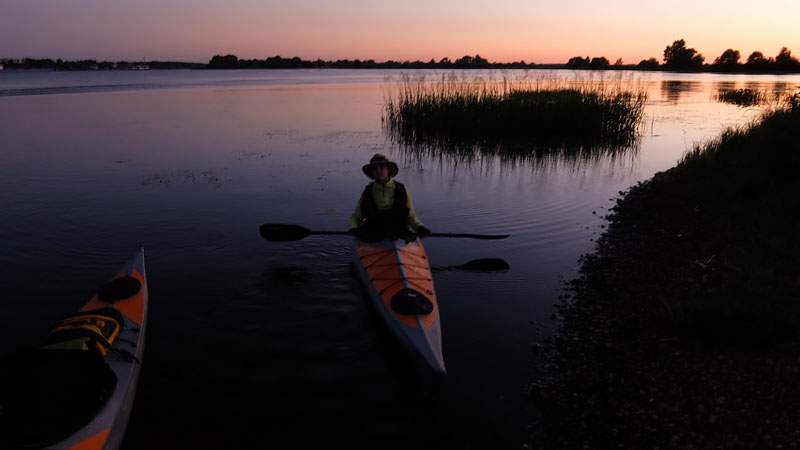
(467, 62)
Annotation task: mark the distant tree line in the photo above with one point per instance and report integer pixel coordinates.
(597, 63)
(677, 57)
(680, 57)
(90, 64)
(277, 62)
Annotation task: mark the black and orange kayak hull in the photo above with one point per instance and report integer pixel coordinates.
(397, 278)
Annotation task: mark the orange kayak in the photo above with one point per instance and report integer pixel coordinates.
(397, 278)
(76, 390)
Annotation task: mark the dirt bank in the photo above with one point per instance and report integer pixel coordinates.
(620, 375)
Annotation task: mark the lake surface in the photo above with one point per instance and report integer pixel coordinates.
(252, 343)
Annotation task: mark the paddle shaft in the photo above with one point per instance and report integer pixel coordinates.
(290, 232)
(447, 235)
(471, 236)
(329, 232)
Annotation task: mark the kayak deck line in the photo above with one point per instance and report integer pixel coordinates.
(404, 277)
(414, 258)
(394, 273)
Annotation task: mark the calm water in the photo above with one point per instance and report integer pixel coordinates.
(251, 343)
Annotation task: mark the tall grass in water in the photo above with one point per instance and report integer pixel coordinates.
(455, 112)
(743, 97)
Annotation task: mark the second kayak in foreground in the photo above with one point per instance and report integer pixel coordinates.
(76, 390)
(397, 278)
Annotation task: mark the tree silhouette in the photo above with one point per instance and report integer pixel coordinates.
(470, 62)
(678, 56)
(758, 62)
(599, 63)
(224, 62)
(785, 61)
(577, 62)
(756, 58)
(647, 64)
(729, 57)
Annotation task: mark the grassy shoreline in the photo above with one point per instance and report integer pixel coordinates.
(683, 330)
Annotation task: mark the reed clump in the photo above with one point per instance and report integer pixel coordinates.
(454, 112)
(743, 97)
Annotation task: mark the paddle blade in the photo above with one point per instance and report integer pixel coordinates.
(485, 265)
(471, 236)
(278, 232)
(478, 265)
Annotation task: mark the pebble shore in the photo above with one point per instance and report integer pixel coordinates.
(618, 376)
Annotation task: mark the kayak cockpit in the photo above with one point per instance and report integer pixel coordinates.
(76, 390)
(410, 302)
(48, 394)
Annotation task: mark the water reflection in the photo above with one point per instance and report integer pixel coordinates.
(785, 86)
(540, 159)
(672, 90)
(728, 85)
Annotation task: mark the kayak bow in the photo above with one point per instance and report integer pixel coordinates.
(76, 391)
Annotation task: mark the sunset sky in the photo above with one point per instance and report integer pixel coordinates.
(498, 30)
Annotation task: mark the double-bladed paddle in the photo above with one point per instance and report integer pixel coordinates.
(282, 232)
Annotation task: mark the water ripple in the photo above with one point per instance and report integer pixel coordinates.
(77, 89)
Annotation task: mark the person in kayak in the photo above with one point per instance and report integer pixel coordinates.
(385, 209)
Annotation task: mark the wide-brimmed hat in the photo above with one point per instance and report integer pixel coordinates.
(376, 159)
